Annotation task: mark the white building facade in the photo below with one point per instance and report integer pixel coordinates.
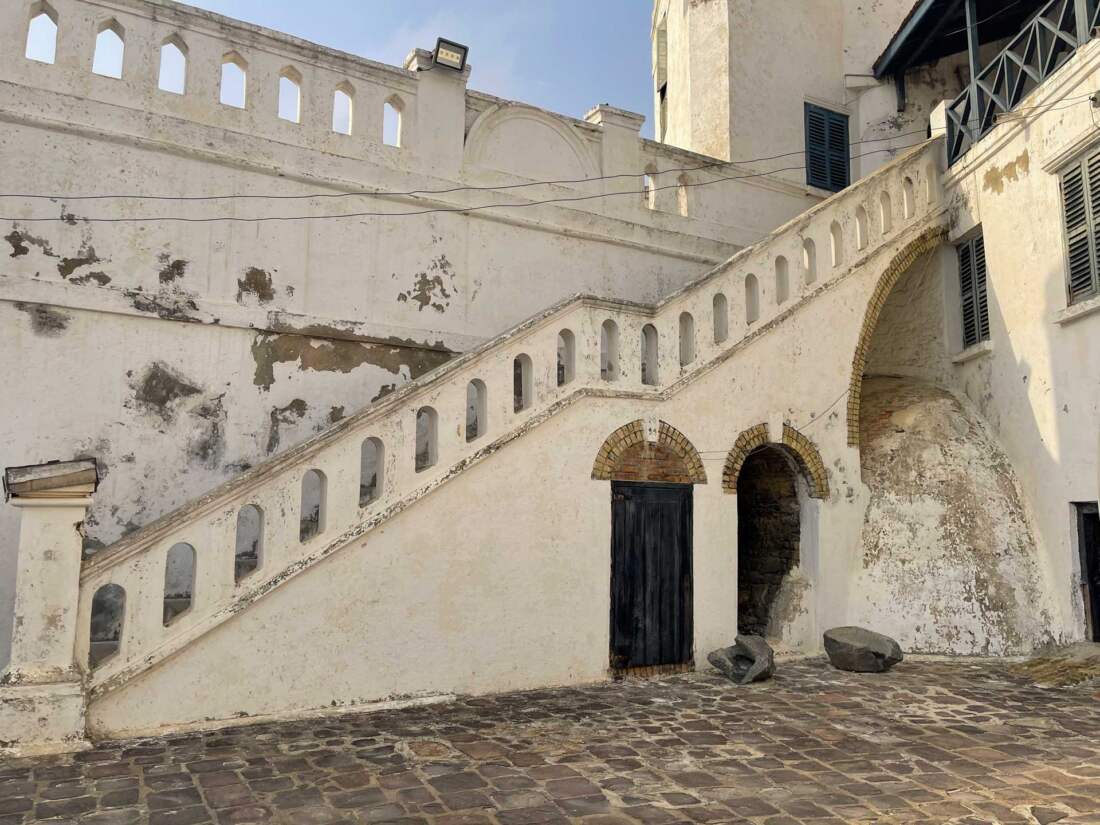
(861, 389)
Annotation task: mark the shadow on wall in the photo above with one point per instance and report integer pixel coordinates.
(949, 563)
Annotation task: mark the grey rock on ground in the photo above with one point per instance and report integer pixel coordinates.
(751, 659)
(860, 650)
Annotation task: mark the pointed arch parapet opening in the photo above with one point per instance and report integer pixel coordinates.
(919, 246)
(799, 448)
(631, 437)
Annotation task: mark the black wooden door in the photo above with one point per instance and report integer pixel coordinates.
(651, 587)
(1088, 529)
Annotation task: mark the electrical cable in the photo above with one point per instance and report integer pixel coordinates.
(434, 211)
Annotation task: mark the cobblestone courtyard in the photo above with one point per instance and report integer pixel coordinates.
(930, 742)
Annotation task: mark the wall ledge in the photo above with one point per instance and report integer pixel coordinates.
(974, 352)
(1075, 312)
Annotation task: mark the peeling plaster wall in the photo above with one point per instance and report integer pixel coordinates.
(169, 410)
(1039, 385)
(949, 563)
(179, 353)
(462, 581)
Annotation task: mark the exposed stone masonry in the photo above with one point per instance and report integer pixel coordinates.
(798, 447)
(767, 536)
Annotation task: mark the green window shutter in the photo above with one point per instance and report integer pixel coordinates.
(827, 150)
(838, 151)
(1080, 205)
(966, 288)
(974, 294)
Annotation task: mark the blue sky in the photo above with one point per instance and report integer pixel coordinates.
(563, 55)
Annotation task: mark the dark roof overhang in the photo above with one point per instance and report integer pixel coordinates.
(934, 29)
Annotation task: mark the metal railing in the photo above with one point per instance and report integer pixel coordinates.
(1045, 44)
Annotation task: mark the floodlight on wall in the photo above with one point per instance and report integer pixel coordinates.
(450, 55)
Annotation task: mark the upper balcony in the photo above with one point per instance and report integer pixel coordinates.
(1008, 48)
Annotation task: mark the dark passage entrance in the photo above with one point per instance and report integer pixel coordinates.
(768, 534)
(651, 585)
(1088, 533)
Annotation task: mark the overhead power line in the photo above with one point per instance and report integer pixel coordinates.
(433, 211)
(449, 191)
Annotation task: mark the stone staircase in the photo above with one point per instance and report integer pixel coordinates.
(560, 363)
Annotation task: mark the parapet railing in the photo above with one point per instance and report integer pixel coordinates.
(150, 594)
(1048, 40)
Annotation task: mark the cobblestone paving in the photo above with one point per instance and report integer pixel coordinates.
(930, 742)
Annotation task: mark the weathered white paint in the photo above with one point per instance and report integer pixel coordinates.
(494, 572)
(383, 299)
(740, 73)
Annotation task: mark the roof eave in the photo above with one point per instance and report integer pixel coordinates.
(884, 65)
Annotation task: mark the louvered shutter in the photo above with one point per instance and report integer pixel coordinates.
(973, 292)
(966, 287)
(827, 163)
(838, 151)
(981, 293)
(817, 155)
(1080, 227)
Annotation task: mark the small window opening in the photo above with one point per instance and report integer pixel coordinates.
(682, 194)
(721, 318)
(886, 212)
(752, 299)
(477, 409)
(392, 112)
(173, 66)
(809, 260)
(908, 194)
(109, 50)
(836, 244)
(687, 339)
(862, 228)
(290, 96)
(427, 438)
(973, 292)
(609, 351)
(343, 109)
(649, 189)
(371, 457)
(312, 518)
(522, 383)
(250, 541)
(782, 280)
(42, 34)
(567, 357)
(234, 84)
(108, 615)
(650, 354)
(179, 581)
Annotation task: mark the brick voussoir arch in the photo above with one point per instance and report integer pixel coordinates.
(631, 435)
(924, 243)
(794, 444)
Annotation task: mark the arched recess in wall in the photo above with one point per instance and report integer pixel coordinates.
(529, 144)
(795, 445)
(41, 43)
(919, 246)
(172, 75)
(626, 455)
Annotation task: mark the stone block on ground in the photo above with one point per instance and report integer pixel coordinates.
(860, 650)
(751, 659)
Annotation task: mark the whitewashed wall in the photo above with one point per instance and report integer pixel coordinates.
(179, 354)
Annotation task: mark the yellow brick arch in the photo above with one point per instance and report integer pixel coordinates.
(921, 245)
(629, 438)
(797, 446)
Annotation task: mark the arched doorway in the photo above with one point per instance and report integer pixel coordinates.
(768, 541)
(777, 484)
(652, 471)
